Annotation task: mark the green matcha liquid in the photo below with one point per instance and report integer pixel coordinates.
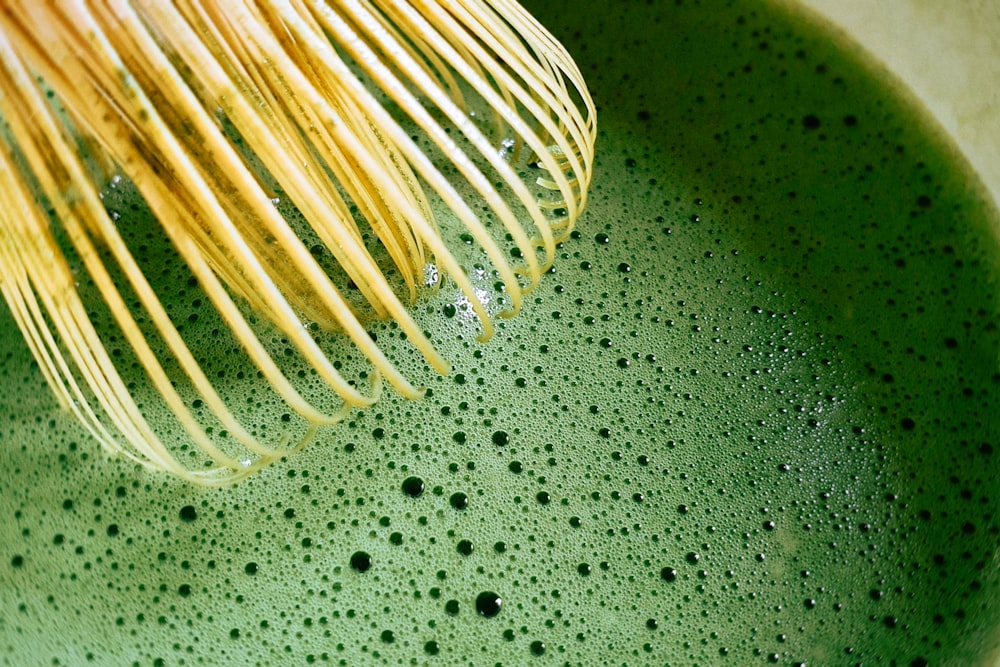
(751, 417)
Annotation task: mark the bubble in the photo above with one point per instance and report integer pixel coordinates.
(361, 561)
(488, 604)
(413, 486)
(459, 500)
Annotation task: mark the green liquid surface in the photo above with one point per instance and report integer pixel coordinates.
(751, 418)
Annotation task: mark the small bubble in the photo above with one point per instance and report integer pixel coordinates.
(537, 647)
(459, 500)
(251, 568)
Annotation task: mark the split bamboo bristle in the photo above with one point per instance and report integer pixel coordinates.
(377, 119)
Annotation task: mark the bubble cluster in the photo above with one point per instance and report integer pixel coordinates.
(748, 418)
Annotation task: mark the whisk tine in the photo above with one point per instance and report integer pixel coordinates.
(352, 111)
(54, 283)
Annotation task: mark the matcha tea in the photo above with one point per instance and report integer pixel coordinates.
(751, 417)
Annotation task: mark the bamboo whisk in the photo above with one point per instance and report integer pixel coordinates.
(392, 126)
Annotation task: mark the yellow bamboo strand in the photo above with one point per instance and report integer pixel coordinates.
(336, 104)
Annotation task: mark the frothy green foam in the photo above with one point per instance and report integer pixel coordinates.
(749, 419)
